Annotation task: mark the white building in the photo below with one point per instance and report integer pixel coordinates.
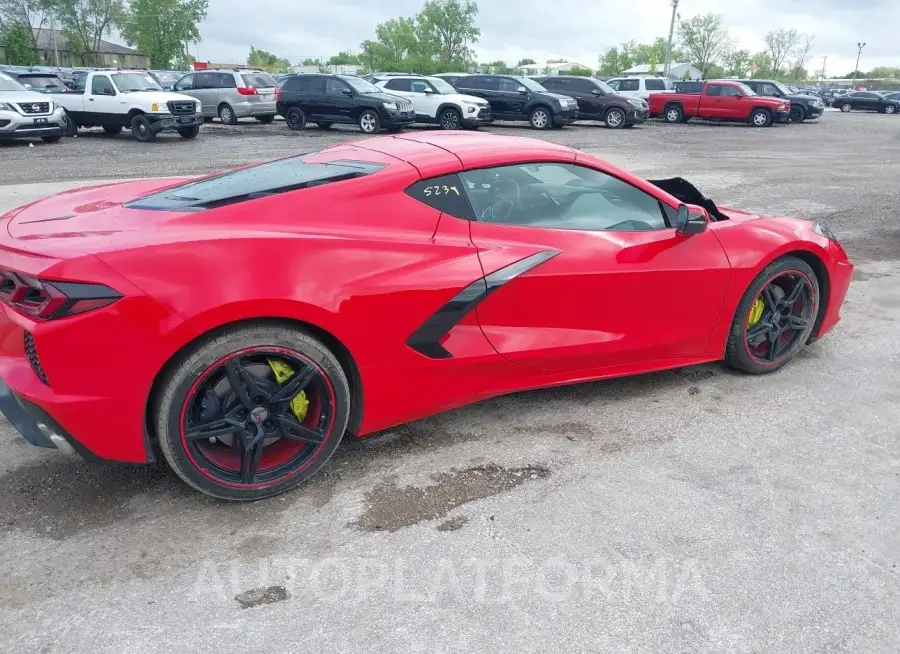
(677, 71)
(555, 68)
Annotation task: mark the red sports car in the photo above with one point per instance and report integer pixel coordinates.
(240, 324)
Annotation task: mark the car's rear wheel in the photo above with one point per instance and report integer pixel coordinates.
(673, 114)
(112, 130)
(450, 119)
(615, 118)
(760, 118)
(295, 118)
(369, 123)
(540, 118)
(775, 318)
(890, 109)
(252, 411)
(798, 115)
(141, 129)
(227, 115)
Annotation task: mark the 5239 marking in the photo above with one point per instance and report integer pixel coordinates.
(440, 189)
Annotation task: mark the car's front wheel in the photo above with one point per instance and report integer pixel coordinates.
(369, 123)
(890, 109)
(141, 129)
(846, 107)
(775, 318)
(760, 118)
(540, 118)
(252, 411)
(450, 119)
(615, 118)
(798, 114)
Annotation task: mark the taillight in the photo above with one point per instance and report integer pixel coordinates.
(44, 300)
(277, 93)
(246, 90)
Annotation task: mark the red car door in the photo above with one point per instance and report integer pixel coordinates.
(611, 282)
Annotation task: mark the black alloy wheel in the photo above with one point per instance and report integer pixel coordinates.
(450, 119)
(776, 317)
(253, 415)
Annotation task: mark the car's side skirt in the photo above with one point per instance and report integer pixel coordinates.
(427, 338)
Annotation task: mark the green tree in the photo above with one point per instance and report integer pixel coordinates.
(645, 53)
(267, 60)
(779, 46)
(884, 72)
(161, 29)
(344, 58)
(610, 63)
(17, 43)
(446, 28)
(704, 41)
(525, 62)
(582, 72)
(85, 22)
(498, 67)
(737, 63)
(763, 64)
(395, 42)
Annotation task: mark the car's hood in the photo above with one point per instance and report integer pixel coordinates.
(383, 97)
(158, 97)
(462, 97)
(22, 97)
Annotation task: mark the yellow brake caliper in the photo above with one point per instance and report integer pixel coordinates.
(283, 372)
(756, 312)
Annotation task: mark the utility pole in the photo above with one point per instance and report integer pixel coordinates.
(824, 61)
(668, 66)
(859, 47)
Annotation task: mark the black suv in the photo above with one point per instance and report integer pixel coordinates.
(520, 98)
(598, 100)
(341, 99)
(802, 106)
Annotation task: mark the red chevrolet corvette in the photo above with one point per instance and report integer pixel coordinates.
(240, 324)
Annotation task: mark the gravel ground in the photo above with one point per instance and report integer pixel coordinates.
(694, 510)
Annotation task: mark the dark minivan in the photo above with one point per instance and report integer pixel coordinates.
(341, 99)
(520, 98)
(597, 100)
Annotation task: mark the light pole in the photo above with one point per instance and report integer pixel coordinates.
(667, 68)
(859, 47)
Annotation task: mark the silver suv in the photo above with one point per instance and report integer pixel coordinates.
(26, 114)
(232, 93)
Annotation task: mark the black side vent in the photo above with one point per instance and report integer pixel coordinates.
(33, 360)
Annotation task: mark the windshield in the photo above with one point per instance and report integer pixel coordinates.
(7, 83)
(126, 82)
(361, 86)
(531, 85)
(782, 88)
(606, 88)
(441, 86)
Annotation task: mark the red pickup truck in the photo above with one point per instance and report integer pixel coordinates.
(720, 100)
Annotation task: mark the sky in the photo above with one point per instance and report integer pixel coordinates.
(577, 30)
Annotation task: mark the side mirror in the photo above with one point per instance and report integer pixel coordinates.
(522, 90)
(348, 93)
(428, 92)
(28, 86)
(596, 92)
(687, 223)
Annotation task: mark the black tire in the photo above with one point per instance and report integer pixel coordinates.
(369, 122)
(450, 119)
(628, 126)
(540, 118)
(52, 139)
(141, 130)
(112, 130)
(265, 120)
(798, 114)
(207, 119)
(178, 391)
(70, 128)
(189, 132)
(615, 118)
(227, 115)
(890, 109)
(324, 125)
(295, 118)
(846, 107)
(673, 113)
(760, 118)
(738, 351)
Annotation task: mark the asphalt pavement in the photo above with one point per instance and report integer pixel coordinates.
(697, 510)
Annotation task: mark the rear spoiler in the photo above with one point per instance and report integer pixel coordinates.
(688, 193)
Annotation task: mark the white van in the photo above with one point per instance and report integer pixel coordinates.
(641, 87)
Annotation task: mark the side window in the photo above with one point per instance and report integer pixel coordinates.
(654, 84)
(80, 84)
(335, 86)
(205, 81)
(445, 194)
(507, 85)
(581, 85)
(419, 86)
(398, 85)
(473, 82)
(554, 84)
(186, 83)
(316, 85)
(101, 85)
(225, 81)
(714, 89)
(629, 85)
(560, 196)
(296, 84)
(730, 92)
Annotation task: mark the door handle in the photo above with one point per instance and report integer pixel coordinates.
(90, 99)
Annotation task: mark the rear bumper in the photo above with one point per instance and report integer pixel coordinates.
(253, 109)
(16, 126)
(36, 425)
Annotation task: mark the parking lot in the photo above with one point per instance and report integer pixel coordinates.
(693, 510)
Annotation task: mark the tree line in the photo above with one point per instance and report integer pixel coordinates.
(160, 29)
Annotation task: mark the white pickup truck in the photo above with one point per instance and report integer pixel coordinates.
(113, 99)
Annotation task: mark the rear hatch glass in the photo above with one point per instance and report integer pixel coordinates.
(258, 80)
(42, 82)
